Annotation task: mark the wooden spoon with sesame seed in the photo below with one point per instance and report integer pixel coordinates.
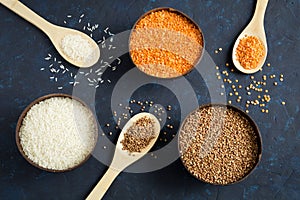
(254, 28)
(57, 34)
(123, 158)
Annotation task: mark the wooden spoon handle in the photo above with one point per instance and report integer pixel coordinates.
(260, 10)
(103, 185)
(23, 11)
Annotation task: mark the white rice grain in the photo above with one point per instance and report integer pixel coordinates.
(58, 133)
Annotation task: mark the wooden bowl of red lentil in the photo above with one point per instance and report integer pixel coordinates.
(166, 43)
(34, 140)
(219, 144)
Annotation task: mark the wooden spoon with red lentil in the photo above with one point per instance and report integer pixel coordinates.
(250, 49)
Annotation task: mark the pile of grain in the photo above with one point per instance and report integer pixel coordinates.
(78, 48)
(58, 133)
(218, 145)
(165, 44)
(250, 52)
(139, 135)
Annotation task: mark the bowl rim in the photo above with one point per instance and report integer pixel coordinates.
(174, 11)
(253, 124)
(23, 115)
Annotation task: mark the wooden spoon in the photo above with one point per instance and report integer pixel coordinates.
(254, 28)
(54, 32)
(122, 158)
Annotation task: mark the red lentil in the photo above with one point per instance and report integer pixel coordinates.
(250, 52)
(165, 44)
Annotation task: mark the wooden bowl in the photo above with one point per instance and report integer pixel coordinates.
(20, 121)
(185, 16)
(252, 123)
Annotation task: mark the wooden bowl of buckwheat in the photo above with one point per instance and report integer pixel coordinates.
(219, 144)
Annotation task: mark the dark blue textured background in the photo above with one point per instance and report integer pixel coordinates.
(23, 48)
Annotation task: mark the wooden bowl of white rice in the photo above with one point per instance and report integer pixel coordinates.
(57, 133)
